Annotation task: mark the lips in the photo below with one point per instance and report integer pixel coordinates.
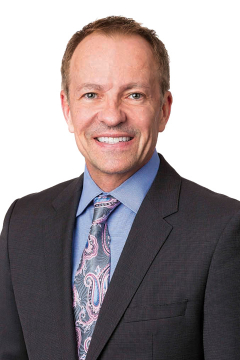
(113, 140)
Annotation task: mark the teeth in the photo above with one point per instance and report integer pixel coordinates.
(111, 140)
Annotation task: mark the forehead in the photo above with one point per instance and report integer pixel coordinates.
(122, 55)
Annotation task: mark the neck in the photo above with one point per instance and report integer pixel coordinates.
(108, 182)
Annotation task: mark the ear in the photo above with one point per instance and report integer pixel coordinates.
(66, 111)
(166, 110)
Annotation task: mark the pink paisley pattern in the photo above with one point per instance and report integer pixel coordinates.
(75, 297)
(79, 336)
(89, 252)
(106, 241)
(92, 276)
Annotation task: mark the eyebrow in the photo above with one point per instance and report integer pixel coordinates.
(134, 85)
(92, 86)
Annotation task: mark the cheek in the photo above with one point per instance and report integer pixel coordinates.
(147, 122)
(81, 119)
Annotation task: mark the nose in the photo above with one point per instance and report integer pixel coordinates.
(111, 113)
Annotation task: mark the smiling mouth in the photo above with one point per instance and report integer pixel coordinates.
(115, 140)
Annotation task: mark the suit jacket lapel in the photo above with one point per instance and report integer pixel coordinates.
(58, 233)
(148, 233)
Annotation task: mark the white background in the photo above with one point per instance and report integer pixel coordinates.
(201, 140)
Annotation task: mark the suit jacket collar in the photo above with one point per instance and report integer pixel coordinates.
(58, 232)
(148, 233)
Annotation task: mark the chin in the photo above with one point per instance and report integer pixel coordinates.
(114, 169)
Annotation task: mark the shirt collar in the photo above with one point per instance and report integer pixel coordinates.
(137, 185)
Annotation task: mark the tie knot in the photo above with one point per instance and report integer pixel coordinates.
(103, 206)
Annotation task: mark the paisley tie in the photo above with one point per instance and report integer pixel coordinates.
(92, 276)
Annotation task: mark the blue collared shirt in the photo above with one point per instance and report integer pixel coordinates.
(130, 193)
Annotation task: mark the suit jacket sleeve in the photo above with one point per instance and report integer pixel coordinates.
(12, 345)
(222, 297)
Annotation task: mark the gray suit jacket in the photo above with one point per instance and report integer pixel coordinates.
(174, 294)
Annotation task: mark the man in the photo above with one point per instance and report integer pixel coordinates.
(159, 276)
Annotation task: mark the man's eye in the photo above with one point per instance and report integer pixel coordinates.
(90, 95)
(135, 96)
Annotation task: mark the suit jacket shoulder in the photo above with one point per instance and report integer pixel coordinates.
(199, 202)
(177, 196)
(39, 204)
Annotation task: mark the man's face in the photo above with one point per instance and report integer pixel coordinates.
(115, 107)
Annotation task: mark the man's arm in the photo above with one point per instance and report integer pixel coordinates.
(222, 297)
(12, 345)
